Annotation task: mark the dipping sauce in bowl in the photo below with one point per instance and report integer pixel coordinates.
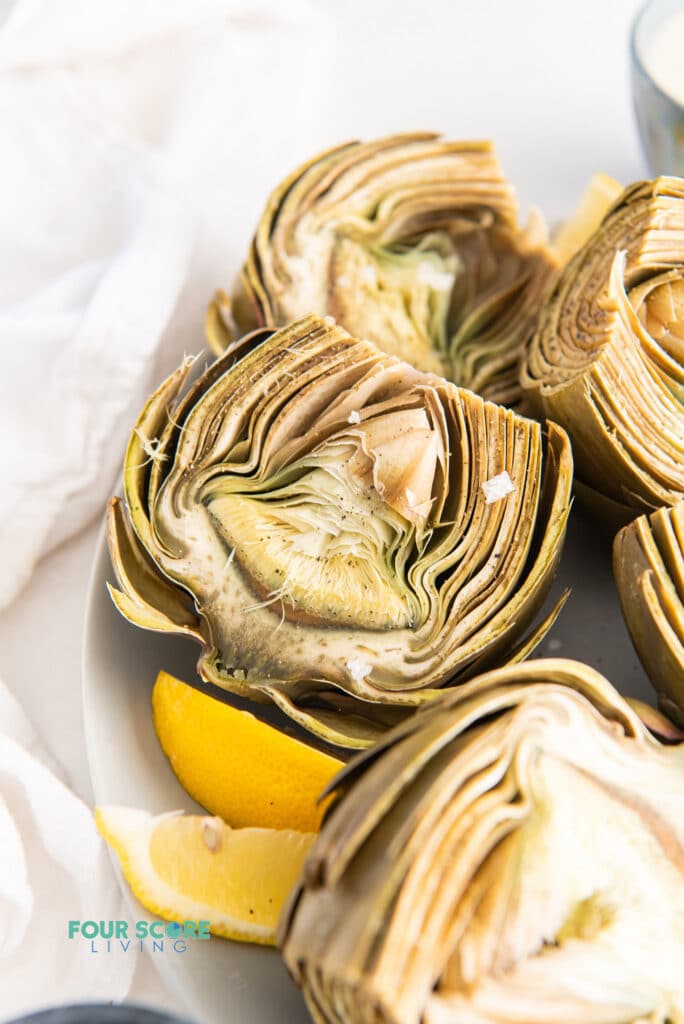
(657, 66)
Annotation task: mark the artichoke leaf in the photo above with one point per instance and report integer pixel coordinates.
(147, 598)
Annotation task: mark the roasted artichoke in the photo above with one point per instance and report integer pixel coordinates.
(648, 561)
(410, 241)
(513, 854)
(607, 360)
(342, 533)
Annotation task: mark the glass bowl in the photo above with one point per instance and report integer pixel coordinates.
(100, 1013)
(659, 115)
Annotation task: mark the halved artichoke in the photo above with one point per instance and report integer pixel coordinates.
(648, 562)
(514, 854)
(410, 241)
(342, 533)
(607, 361)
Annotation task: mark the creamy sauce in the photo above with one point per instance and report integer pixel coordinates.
(663, 56)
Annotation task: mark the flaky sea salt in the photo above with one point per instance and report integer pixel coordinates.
(359, 669)
(368, 274)
(438, 280)
(354, 417)
(498, 487)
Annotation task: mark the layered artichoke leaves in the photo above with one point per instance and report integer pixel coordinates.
(648, 561)
(412, 241)
(607, 359)
(513, 853)
(316, 514)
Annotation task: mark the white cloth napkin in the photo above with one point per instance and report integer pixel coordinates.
(53, 868)
(139, 139)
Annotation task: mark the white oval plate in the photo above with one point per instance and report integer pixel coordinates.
(219, 982)
(223, 982)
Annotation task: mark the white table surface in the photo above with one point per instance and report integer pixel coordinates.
(547, 81)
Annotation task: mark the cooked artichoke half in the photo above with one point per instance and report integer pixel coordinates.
(319, 516)
(410, 241)
(513, 854)
(648, 561)
(607, 361)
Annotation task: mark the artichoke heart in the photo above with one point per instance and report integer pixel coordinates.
(315, 513)
(512, 854)
(648, 562)
(323, 551)
(411, 241)
(607, 359)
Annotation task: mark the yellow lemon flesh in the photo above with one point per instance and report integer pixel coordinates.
(595, 201)
(247, 772)
(194, 868)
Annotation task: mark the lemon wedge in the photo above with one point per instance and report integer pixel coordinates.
(235, 766)
(194, 868)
